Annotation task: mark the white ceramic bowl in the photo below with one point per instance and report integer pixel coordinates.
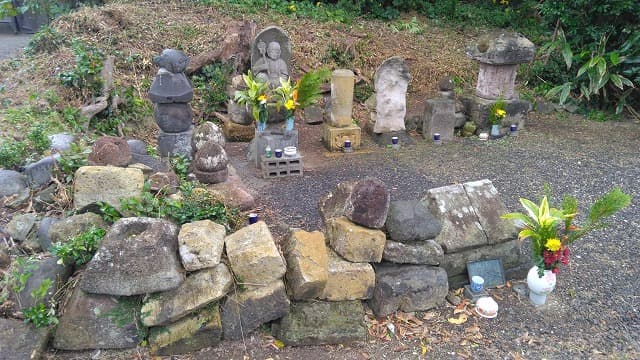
(487, 307)
(290, 151)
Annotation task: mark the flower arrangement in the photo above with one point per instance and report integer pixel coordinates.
(497, 112)
(552, 230)
(287, 96)
(256, 96)
(305, 92)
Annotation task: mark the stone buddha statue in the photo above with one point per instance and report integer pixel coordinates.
(270, 67)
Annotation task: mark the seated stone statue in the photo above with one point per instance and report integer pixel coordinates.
(270, 67)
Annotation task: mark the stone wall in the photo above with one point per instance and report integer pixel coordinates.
(195, 285)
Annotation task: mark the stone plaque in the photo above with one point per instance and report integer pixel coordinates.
(490, 270)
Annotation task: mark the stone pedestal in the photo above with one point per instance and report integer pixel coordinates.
(342, 83)
(334, 137)
(175, 143)
(478, 109)
(439, 117)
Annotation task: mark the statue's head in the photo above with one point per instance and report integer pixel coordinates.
(174, 61)
(273, 51)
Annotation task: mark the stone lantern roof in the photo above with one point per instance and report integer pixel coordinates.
(504, 49)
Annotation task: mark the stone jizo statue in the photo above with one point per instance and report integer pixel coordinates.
(270, 67)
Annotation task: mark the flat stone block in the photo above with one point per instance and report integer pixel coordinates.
(21, 340)
(347, 280)
(334, 137)
(307, 262)
(354, 242)
(192, 333)
(488, 207)
(322, 323)
(408, 288)
(509, 252)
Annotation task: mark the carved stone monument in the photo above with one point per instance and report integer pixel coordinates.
(340, 127)
(498, 59)
(271, 55)
(171, 93)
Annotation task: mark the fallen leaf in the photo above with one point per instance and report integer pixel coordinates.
(279, 344)
(460, 320)
(509, 284)
(498, 297)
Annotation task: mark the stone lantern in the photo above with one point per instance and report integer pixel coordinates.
(498, 60)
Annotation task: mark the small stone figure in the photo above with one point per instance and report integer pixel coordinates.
(210, 163)
(270, 67)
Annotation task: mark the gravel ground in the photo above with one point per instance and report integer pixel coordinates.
(593, 313)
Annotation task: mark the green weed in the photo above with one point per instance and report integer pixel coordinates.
(78, 249)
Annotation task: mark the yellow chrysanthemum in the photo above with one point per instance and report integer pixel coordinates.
(553, 244)
(501, 113)
(290, 105)
(262, 99)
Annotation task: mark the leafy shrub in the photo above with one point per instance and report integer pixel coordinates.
(38, 138)
(70, 161)
(196, 204)
(78, 249)
(211, 83)
(40, 315)
(12, 154)
(47, 40)
(86, 74)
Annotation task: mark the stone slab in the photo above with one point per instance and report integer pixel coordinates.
(322, 323)
(200, 330)
(460, 227)
(508, 252)
(347, 280)
(489, 208)
(307, 262)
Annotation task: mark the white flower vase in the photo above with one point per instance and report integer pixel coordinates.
(540, 287)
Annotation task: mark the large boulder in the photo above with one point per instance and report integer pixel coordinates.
(38, 271)
(13, 183)
(21, 340)
(461, 229)
(353, 242)
(75, 225)
(408, 288)
(88, 323)
(245, 311)
(410, 221)
(307, 261)
(253, 255)
(322, 323)
(365, 202)
(107, 184)
(200, 244)
(486, 202)
(136, 256)
(199, 289)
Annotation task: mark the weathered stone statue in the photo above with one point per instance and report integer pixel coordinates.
(270, 55)
(270, 67)
(171, 93)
